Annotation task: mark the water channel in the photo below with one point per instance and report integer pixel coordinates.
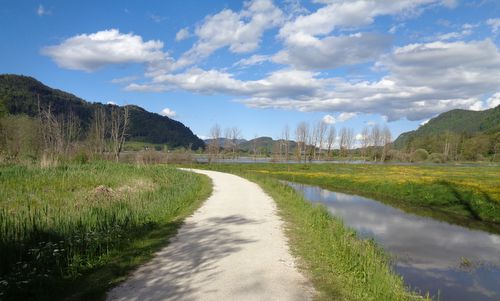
(449, 261)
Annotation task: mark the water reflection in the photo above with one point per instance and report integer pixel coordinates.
(456, 262)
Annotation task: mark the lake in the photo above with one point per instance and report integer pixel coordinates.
(449, 261)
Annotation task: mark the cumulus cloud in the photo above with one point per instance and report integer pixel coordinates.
(422, 80)
(308, 39)
(333, 51)
(329, 119)
(168, 112)
(182, 34)
(89, 52)
(346, 116)
(493, 101)
(494, 24)
(239, 31)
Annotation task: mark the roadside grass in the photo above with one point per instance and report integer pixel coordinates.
(74, 231)
(340, 264)
(463, 195)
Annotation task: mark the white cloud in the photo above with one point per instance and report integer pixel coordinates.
(310, 45)
(424, 122)
(125, 79)
(422, 80)
(334, 51)
(112, 103)
(494, 24)
(346, 116)
(252, 60)
(168, 112)
(493, 101)
(240, 31)
(454, 35)
(89, 52)
(42, 11)
(329, 119)
(182, 34)
(133, 87)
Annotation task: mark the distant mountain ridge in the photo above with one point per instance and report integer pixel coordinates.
(261, 144)
(457, 121)
(20, 95)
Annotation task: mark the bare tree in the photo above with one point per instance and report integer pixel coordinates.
(386, 142)
(343, 141)
(286, 137)
(376, 140)
(301, 136)
(235, 137)
(227, 143)
(365, 141)
(350, 140)
(321, 136)
(97, 135)
(213, 147)
(331, 139)
(119, 126)
(254, 147)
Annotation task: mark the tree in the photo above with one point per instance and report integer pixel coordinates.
(301, 136)
(365, 141)
(119, 126)
(98, 129)
(386, 142)
(321, 136)
(286, 138)
(213, 147)
(376, 140)
(235, 136)
(331, 139)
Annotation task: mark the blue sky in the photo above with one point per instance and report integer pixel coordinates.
(262, 64)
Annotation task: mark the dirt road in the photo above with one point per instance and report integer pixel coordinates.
(232, 248)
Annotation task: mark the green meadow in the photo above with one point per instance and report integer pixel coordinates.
(75, 230)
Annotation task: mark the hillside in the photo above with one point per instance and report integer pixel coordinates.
(20, 95)
(461, 122)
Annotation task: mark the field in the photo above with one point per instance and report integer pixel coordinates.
(74, 230)
(464, 195)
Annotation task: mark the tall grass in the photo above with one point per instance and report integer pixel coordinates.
(57, 224)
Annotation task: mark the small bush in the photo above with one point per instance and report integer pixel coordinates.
(436, 158)
(419, 155)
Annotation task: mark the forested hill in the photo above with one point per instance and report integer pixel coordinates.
(464, 123)
(20, 95)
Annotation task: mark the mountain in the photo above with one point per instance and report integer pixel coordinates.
(455, 121)
(20, 95)
(463, 123)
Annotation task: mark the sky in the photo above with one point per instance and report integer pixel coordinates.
(261, 65)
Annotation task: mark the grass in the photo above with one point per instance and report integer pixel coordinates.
(340, 265)
(73, 231)
(463, 195)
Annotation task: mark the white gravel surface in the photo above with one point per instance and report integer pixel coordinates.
(232, 248)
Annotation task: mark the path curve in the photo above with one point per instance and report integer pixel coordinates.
(232, 248)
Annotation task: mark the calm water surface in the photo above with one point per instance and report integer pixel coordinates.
(453, 262)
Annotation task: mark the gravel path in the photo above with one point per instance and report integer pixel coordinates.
(232, 248)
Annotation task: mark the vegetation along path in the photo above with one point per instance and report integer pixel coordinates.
(232, 248)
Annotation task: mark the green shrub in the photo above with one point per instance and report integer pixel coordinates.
(419, 155)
